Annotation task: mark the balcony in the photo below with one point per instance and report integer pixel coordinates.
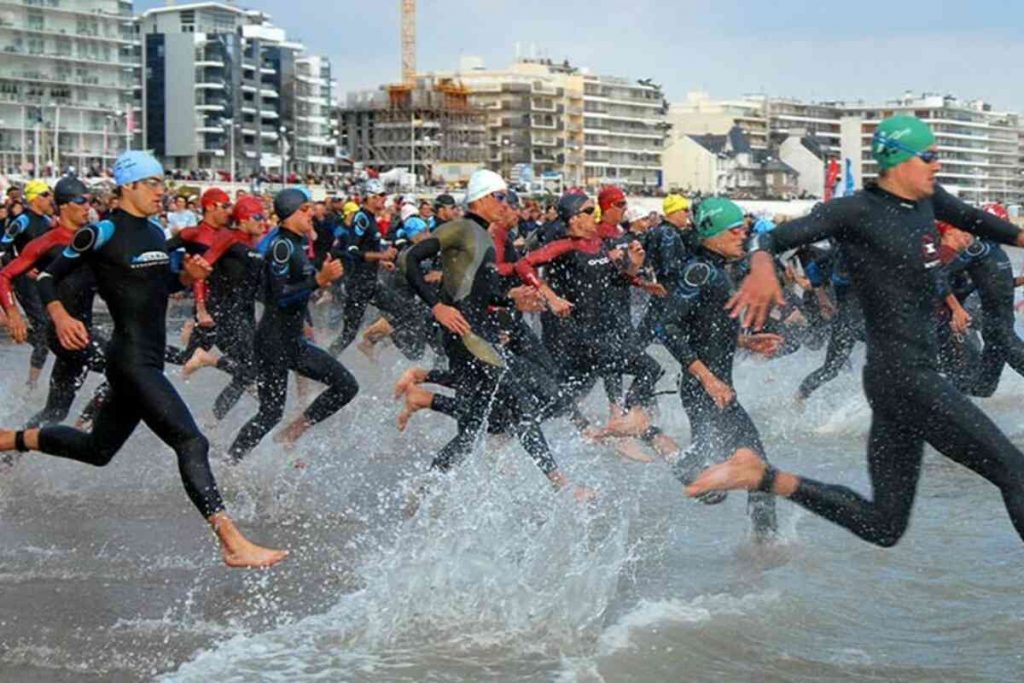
(268, 94)
(83, 35)
(268, 114)
(22, 52)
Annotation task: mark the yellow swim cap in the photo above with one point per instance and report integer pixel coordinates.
(673, 203)
(34, 188)
(350, 208)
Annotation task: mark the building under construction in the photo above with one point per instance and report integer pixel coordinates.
(427, 126)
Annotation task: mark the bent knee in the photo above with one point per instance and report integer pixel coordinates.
(888, 535)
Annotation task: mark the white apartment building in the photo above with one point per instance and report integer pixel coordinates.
(624, 128)
(69, 84)
(981, 148)
(588, 130)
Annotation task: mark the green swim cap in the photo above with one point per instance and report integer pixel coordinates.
(715, 215)
(899, 139)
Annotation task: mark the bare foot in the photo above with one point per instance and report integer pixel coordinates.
(293, 432)
(251, 556)
(633, 423)
(630, 449)
(410, 377)
(744, 470)
(200, 359)
(237, 550)
(368, 349)
(416, 399)
(584, 494)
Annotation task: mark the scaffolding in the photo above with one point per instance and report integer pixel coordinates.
(417, 126)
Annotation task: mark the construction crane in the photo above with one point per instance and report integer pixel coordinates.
(408, 42)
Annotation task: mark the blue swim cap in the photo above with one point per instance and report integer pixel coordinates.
(414, 226)
(136, 165)
(763, 225)
(290, 200)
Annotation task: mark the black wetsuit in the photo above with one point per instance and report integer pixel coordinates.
(128, 257)
(360, 276)
(668, 249)
(412, 323)
(847, 325)
(493, 383)
(27, 226)
(289, 279)
(697, 327)
(891, 245)
(989, 269)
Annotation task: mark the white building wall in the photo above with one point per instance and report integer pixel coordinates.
(690, 168)
(811, 169)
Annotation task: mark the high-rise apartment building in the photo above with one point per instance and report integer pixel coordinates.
(69, 84)
(224, 84)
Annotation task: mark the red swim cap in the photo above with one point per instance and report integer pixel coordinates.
(214, 196)
(609, 196)
(247, 207)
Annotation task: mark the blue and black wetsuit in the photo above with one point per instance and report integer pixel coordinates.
(847, 325)
(128, 257)
(892, 247)
(697, 327)
(363, 237)
(27, 226)
(990, 270)
(668, 250)
(289, 279)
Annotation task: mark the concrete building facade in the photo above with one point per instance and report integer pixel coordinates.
(69, 84)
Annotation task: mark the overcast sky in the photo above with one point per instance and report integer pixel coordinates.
(863, 49)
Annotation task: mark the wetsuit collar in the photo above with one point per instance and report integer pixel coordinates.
(889, 196)
(714, 258)
(478, 220)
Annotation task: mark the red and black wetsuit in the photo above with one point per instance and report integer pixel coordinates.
(589, 343)
(232, 288)
(76, 293)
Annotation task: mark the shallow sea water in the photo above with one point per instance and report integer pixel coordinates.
(110, 575)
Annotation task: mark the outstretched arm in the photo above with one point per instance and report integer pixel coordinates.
(972, 219)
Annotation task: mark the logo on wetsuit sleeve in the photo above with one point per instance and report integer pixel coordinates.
(148, 259)
(930, 251)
